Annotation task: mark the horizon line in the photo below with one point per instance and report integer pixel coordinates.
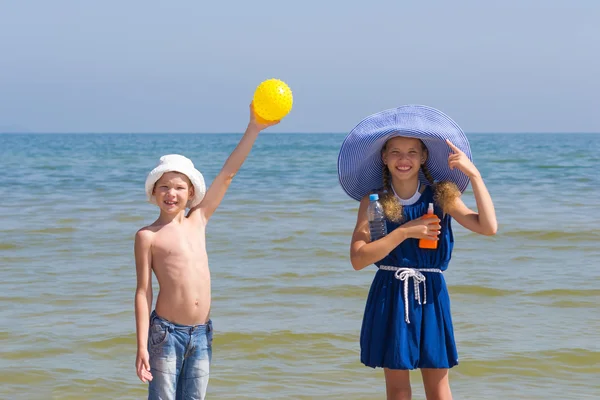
(278, 133)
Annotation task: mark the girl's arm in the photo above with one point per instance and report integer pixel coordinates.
(484, 221)
(363, 252)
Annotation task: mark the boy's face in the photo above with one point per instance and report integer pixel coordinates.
(172, 192)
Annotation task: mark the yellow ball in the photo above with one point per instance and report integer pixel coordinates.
(272, 100)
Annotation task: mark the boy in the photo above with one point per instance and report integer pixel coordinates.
(174, 342)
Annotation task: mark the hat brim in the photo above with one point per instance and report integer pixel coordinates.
(360, 167)
(192, 173)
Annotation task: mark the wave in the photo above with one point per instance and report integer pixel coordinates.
(536, 364)
(588, 235)
(481, 291)
(554, 293)
(345, 291)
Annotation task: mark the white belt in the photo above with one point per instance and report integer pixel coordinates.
(403, 274)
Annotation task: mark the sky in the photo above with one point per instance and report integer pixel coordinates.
(192, 66)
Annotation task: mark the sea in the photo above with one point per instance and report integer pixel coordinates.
(287, 304)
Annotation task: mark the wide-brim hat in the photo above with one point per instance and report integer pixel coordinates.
(360, 167)
(183, 165)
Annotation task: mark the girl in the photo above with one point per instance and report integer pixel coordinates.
(411, 156)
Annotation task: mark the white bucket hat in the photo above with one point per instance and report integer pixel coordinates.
(183, 165)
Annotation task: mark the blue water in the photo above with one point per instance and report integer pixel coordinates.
(287, 304)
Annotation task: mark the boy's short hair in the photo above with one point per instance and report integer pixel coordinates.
(183, 165)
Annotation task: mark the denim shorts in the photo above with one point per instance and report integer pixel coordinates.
(180, 357)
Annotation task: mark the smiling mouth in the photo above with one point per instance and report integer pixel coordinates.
(171, 203)
(403, 168)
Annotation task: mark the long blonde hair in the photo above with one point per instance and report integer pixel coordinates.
(444, 193)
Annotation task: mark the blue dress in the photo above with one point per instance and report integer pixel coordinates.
(427, 341)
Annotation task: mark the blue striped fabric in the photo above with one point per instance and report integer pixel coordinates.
(359, 162)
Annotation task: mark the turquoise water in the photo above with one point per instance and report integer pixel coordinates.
(287, 305)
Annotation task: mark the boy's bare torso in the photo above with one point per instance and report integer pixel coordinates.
(180, 263)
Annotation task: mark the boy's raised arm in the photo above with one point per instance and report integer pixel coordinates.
(215, 193)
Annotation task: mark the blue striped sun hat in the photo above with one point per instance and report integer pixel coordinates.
(360, 166)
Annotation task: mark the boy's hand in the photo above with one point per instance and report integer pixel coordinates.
(257, 122)
(142, 365)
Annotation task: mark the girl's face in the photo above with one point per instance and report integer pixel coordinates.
(172, 191)
(403, 157)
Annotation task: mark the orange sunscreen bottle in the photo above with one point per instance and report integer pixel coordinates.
(426, 243)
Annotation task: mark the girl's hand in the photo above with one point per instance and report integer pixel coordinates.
(458, 159)
(257, 122)
(423, 228)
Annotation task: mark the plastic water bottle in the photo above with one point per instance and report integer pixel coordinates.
(377, 226)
